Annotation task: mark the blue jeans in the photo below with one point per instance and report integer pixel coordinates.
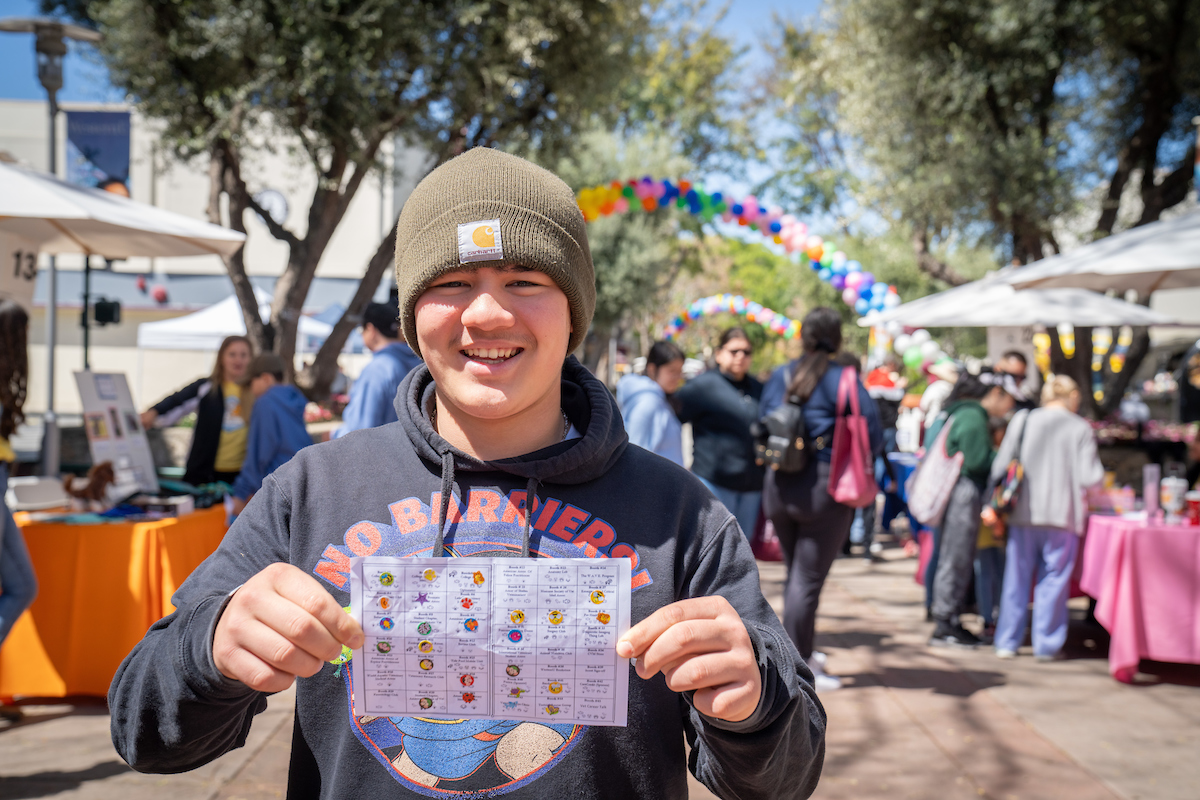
(1045, 557)
(743, 505)
(989, 577)
(18, 586)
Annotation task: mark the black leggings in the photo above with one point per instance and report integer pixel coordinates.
(811, 528)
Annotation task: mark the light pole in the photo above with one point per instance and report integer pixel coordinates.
(50, 47)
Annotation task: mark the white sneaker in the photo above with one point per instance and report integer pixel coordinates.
(1005, 654)
(876, 548)
(821, 681)
(818, 658)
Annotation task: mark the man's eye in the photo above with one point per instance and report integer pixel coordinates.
(450, 285)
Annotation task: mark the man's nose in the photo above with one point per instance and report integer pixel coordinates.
(486, 311)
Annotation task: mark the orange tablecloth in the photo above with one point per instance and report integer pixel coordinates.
(100, 588)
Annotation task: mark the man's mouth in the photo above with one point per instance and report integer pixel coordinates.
(493, 355)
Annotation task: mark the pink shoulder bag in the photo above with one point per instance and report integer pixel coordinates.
(851, 473)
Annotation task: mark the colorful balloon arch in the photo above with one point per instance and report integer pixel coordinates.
(858, 287)
(734, 304)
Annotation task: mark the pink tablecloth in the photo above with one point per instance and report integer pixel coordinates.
(1146, 581)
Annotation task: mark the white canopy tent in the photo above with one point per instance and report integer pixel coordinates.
(61, 217)
(1161, 255)
(994, 301)
(204, 329)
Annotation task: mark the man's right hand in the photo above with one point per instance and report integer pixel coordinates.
(281, 624)
(149, 417)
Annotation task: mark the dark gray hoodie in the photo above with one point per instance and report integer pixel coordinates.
(376, 492)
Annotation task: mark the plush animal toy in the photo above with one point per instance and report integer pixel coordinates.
(92, 493)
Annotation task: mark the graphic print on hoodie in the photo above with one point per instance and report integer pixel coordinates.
(453, 756)
(381, 491)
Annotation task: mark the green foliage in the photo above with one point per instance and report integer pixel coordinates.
(984, 120)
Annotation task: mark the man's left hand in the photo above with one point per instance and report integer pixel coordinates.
(238, 505)
(700, 645)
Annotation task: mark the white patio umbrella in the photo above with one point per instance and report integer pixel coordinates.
(1161, 255)
(64, 218)
(993, 301)
(57, 217)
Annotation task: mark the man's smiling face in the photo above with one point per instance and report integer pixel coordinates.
(494, 339)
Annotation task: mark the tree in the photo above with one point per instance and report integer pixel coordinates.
(989, 122)
(334, 79)
(987, 119)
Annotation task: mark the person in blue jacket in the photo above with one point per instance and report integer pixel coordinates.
(650, 420)
(277, 430)
(810, 524)
(373, 395)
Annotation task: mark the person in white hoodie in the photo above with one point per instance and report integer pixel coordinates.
(650, 420)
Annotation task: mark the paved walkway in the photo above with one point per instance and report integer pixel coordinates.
(910, 723)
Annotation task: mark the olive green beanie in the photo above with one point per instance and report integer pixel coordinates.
(486, 208)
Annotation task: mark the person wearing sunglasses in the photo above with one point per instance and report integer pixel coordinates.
(721, 405)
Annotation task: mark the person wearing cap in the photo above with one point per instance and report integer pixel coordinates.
(277, 430)
(496, 290)
(373, 395)
(974, 399)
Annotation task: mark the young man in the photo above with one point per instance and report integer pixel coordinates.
(496, 289)
(277, 430)
(373, 395)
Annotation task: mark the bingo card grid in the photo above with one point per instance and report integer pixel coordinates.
(527, 639)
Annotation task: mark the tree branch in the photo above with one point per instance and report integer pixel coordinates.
(929, 263)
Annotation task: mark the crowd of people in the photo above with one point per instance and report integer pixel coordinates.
(1004, 550)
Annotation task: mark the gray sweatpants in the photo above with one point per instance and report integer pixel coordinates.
(956, 552)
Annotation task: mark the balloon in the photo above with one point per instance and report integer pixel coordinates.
(825, 274)
(839, 257)
(894, 329)
(902, 343)
(815, 253)
(891, 300)
(912, 357)
(930, 349)
(849, 296)
(867, 279)
(814, 241)
(854, 279)
(921, 336)
(853, 266)
(838, 281)
(862, 306)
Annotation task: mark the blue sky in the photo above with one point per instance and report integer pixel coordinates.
(85, 80)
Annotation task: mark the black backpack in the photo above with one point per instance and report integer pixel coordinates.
(780, 438)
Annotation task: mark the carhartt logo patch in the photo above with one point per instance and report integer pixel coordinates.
(480, 241)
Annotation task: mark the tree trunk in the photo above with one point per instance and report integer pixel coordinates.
(595, 346)
(317, 378)
(222, 179)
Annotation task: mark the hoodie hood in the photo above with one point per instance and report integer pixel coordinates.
(585, 400)
(632, 387)
(286, 396)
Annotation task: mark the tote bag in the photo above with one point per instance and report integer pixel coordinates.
(851, 471)
(933, 480)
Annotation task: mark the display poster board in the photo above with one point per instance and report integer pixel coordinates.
(115, 433)
(18, 272)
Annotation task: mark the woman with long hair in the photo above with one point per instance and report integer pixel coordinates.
(650, 420)
(222, 405)
(810, 524)
(1058, 455)
(18, 584)
(973, 401)
(721, 405)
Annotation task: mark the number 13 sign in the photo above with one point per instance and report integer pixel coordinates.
(18, 270)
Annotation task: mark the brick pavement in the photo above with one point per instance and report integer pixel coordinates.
(910, 723)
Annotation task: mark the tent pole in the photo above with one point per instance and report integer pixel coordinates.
(50, 438)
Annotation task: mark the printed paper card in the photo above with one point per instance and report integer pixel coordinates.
(492, 638)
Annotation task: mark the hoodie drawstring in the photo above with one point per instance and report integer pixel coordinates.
(439, 544)
(530, 494)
